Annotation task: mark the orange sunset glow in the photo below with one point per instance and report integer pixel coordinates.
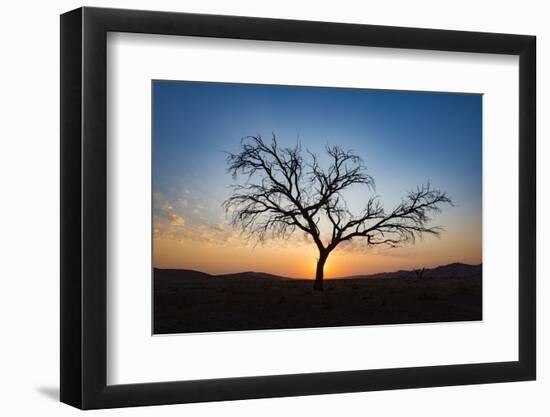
(297, 258)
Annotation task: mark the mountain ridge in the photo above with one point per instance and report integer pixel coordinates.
(454, 269)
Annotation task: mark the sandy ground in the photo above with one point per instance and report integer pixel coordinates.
(189, 301)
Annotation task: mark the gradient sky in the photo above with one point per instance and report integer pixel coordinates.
(404, 138)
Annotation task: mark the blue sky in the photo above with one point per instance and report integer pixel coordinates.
(405, 139)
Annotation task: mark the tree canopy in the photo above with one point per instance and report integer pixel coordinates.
(286, 190)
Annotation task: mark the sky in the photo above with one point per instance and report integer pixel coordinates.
(404, 138)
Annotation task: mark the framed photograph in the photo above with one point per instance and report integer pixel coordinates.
(258, 208)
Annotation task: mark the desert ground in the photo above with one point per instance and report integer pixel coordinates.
(191, 301)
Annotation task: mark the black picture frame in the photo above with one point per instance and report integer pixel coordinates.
(84, 208)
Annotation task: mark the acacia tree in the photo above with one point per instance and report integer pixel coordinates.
(285, 192)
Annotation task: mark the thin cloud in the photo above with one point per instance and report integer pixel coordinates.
(176, 220)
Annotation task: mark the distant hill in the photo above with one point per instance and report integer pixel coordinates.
(190, 273)
(251, 274)
(454, 270)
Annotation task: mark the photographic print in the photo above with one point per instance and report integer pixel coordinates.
(285, 207)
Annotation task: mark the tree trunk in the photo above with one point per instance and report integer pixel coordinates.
(318, 285)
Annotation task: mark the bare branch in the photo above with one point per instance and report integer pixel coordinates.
(283, 193)
(409, 220)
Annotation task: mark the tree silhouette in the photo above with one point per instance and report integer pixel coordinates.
(419, 273)
(284, 192)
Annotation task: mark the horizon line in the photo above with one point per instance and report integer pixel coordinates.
(326, 278)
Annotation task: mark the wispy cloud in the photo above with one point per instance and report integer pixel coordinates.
(182, 220)
(176, 220)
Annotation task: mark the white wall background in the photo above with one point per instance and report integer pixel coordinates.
(29, 177)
